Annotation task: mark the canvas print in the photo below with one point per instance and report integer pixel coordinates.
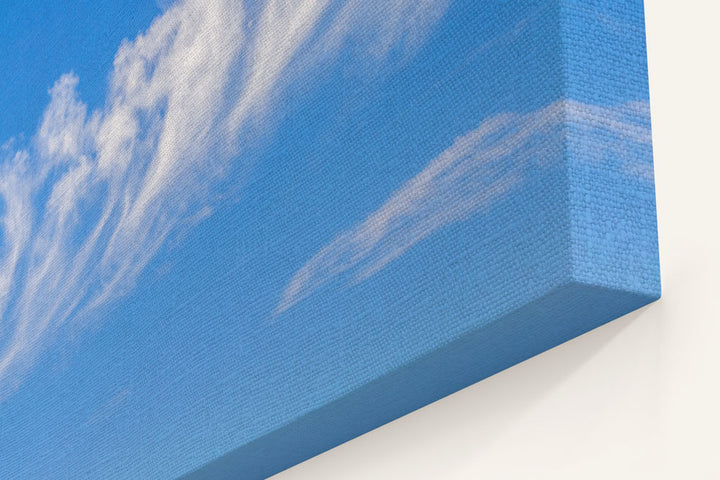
(235, 234)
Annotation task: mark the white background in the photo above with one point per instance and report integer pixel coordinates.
(637, 398)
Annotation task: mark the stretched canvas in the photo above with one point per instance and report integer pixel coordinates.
(235, 234)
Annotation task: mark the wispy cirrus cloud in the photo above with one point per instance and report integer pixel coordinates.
(96, 194)
(477, 171)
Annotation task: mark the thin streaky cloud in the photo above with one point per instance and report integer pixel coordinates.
(96, 194)
(476, 172)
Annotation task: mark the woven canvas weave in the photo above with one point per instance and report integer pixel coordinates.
(256, 230)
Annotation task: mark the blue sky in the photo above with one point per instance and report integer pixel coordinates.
(219, 214)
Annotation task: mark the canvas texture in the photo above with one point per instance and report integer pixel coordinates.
(256, 230)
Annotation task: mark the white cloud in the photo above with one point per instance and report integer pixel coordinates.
(478, 170)
(96, 195)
